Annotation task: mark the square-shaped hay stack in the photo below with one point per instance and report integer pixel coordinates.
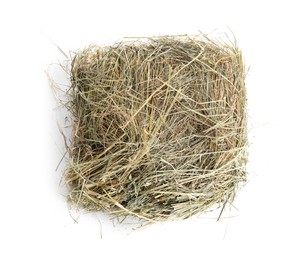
(159, 127)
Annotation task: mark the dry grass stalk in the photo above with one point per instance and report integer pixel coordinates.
(159, 127)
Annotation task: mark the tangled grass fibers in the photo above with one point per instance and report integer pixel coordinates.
(159, 127)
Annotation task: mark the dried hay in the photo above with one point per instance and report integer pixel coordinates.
(159, 127)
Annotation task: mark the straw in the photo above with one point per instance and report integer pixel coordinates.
(159, 127)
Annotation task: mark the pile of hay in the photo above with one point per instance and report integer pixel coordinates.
(159, 127)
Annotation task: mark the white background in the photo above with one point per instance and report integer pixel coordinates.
(35, 222)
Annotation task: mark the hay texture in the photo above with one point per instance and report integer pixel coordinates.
(159, 127)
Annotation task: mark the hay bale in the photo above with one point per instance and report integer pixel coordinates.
(159, 127)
